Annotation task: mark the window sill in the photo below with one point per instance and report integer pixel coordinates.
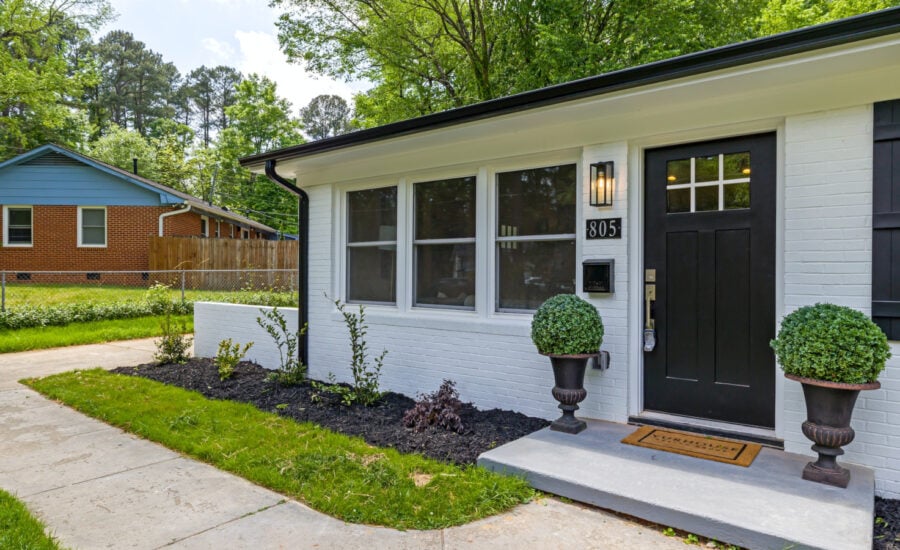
(7, 245)
(505, 324)
(91, 246)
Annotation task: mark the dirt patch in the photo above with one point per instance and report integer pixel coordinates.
(380, 425)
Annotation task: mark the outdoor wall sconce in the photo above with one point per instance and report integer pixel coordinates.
(602, 177)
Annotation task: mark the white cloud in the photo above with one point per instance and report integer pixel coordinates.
(259, 53)
(223, 51)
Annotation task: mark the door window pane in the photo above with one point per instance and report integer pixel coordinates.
(737, 195)
(537, 202)
(445, 274)
(706, 168)
(707, 198)
(445, 209)
(678, 171)
(531, 272)
(678, 200)
(372, 215)
(736, 165)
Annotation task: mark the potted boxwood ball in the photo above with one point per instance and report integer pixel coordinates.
(569, 331)
(834, 352)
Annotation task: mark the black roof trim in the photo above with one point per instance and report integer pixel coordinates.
(835, 33)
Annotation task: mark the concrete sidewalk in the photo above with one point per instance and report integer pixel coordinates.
(97, 487)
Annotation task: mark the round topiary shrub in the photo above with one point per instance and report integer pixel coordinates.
(566, 325)
(831, 343)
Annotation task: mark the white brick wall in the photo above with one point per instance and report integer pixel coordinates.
(828, 258)
(214, 322)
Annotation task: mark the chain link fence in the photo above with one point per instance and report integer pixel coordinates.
(41, 288)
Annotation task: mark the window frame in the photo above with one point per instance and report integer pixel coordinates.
(80, 227)
(347, 245)
(6, 209)
(415, 243)
(497, 239)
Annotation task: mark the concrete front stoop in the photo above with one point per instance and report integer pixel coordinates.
(766, 505)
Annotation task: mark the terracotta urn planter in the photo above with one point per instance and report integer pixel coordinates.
(568, 375)
(829, 408)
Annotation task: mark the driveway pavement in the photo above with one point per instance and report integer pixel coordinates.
(96, 486)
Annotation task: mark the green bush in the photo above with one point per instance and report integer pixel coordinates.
(831, 343)
(567, 325)
(292, 371)
(42, 316)
(172, 346)
(229, 355)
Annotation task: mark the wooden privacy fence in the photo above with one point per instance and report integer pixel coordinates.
(251, 261)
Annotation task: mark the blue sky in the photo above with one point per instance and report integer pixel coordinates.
(239, 33)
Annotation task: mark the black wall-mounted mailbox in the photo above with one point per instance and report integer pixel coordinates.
(598, 276)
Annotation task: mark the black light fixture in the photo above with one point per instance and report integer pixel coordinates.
(602, 177)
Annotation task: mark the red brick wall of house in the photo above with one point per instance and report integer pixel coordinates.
(55, 234)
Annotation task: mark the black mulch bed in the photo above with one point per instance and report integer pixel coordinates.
(379, 425)
(887, 524)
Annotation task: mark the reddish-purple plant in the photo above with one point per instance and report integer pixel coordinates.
(440, 408)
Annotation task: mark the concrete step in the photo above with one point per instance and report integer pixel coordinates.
(766, 505)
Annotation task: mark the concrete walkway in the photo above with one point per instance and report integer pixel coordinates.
(95, 486)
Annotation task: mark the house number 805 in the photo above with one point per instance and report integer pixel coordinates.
(606, 228)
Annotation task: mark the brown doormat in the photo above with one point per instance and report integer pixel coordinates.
(696, 445)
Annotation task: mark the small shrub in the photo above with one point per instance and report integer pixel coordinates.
(292, 370)
(345, 393)
(157, 298)
(440, 408)
(566, 325)
(365, 376)
(172, 346)
(229, 356)
(831, 343)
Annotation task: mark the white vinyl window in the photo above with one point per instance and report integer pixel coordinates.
(372, 245)
(204, 226)
(535, 236)
(444, 243)
(18, 225)
(92, 226)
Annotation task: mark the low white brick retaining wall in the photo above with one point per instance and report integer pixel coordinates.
(214, 322)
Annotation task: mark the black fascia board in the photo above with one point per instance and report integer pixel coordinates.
(822, 36)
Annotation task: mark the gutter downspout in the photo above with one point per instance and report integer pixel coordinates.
(303, 235)
(165, 215)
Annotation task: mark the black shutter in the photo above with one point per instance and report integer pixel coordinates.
(886, 218)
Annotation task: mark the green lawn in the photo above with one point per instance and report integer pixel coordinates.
(335, 474)
(19, 529)
(34, 294)
(93, 332)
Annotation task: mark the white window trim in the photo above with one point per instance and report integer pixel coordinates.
(485, 240)
(218, 228)
(204, 226)
(105, 227)
(6, 242)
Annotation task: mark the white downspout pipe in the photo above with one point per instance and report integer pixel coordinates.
(165, 215)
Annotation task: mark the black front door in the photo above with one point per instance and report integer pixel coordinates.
(710, 237)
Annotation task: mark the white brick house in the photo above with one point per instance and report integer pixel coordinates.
(452, 227)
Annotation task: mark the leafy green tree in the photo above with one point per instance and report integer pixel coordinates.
(260, 120)
(212, 91)
(39, 90)
(784, 15)
(137, 86)
(326, 116)
(120, 145)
